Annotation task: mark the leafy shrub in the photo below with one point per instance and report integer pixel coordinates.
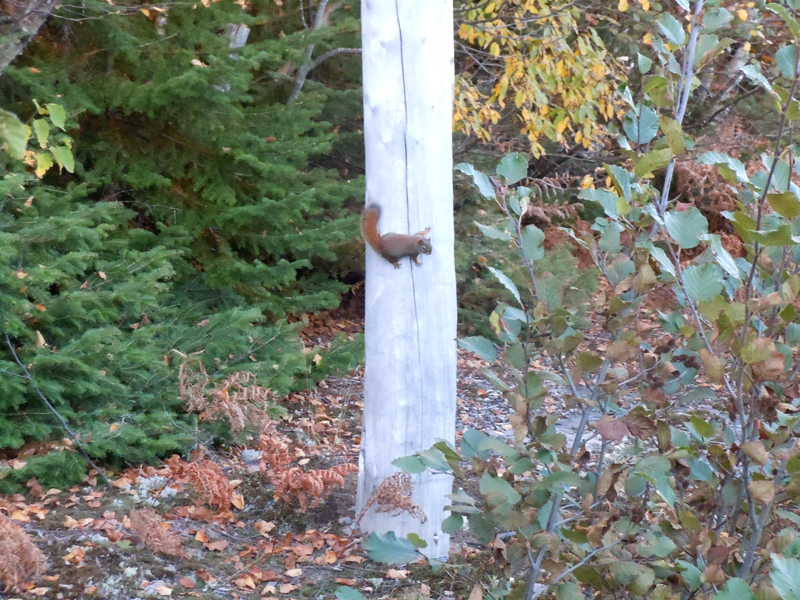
(681, 478)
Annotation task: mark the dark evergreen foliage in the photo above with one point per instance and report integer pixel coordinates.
(194, 222)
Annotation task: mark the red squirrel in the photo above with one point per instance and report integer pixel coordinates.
(393, 246)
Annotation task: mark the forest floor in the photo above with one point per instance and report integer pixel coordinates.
(152, 535)
(156, 533)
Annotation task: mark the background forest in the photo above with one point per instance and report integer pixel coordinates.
(181, 215)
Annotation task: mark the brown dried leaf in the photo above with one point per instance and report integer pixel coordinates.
(762, 491)
(770, 368)
(620, 351)
(714, 367)
(397, 573)
(476, 593)
(640, 425)
(717, 554)
(612, 429)
(756, 452)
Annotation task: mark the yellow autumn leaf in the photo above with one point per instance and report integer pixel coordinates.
(746, 47)
(647, 39)
(494, 49)
(623, 5)
(645, 4)
(562, 125)
(742, 14)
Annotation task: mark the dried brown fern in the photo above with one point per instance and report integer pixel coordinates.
(275, 448)
(235, 397)
(147, 525)
(313, 485)
(20, 559)
(206, 478)
(703, 186)
(394, 494)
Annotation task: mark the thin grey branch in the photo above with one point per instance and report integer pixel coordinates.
(52, 408)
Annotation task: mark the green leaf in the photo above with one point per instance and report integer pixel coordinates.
(708, 47)
(643, 129)
(434, 459)
(344, 592)
(389, 549)
(636, 577)
(663, 487)
(659, 545)
(480, 526)
(785, 204)
(493, 232)
(785, 59)
(482, 445)
(417, 541)
(57, 115)
(569, 591)
(791, 22)
(723, 257)
(63, 156)
(785, 575)
(452, 523)
(621, 179)
(703, 428)
(496, 486)
(731, 169)
(686, 227)
(782, 236)
(42, 131)
(606, 198)
(735, 589)
(691, 574)
(481, 180)
(644, 63)
(43, 163)
(672, 129)
(658, 89)
(503, 278)
(702, 283)
(13, 134)
(513, 167)
(672, 29)
(753, 73)
(715, 19)
(480, 346)
(588, 574)
(532, 238)
(588, 361)
(409, 464)
(651, 162)
(659, 256)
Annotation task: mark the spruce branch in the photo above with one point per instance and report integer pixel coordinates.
(52, 408)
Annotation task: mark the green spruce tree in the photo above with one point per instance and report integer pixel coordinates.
(193, 221)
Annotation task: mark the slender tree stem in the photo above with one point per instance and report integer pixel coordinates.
(52, 408)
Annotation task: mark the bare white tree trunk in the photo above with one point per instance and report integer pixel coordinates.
(410, 374)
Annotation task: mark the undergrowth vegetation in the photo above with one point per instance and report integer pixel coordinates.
(681, 478)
